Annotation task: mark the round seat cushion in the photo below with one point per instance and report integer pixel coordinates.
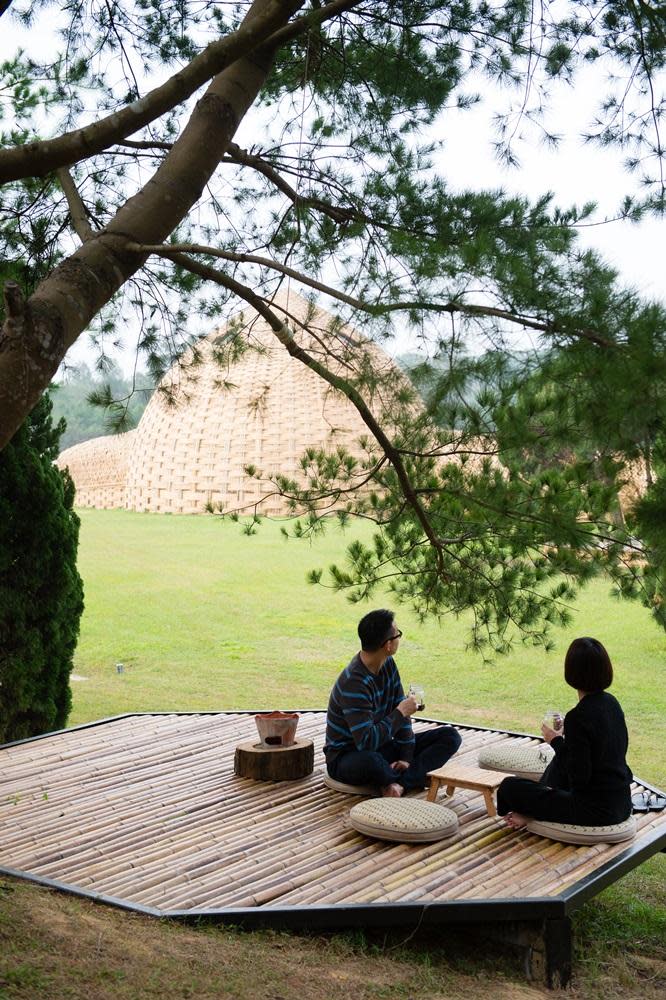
(404, 820)
(570, 834)
(523, 761)
(340, 786)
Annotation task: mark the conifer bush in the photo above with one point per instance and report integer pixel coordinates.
(41, 592)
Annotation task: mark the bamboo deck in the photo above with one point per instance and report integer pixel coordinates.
(145, 811)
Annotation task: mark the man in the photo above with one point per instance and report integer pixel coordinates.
(369, 735)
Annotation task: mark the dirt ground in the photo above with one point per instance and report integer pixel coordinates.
(58, 947)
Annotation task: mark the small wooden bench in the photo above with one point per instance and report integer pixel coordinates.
(454, 775)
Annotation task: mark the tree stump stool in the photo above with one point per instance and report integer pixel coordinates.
(252, 760)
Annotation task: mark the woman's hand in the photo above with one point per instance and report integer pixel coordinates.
(550, 734)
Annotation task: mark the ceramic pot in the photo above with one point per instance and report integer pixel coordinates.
(277, 729)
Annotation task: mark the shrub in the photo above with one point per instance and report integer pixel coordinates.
(41, 593)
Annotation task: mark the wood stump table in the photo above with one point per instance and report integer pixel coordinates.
(254, 760)
(454, 775)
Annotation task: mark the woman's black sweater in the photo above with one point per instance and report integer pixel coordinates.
(590, 759)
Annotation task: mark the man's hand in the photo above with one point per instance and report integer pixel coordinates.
(399, 765)
(408, 705)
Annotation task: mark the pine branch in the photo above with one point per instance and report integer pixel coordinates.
(377, 308)
(146, 144)
(333, 494)
(286, 338)
(235, 154)
(647, 69)
(77, 209)
(34, 159)
(167, 249)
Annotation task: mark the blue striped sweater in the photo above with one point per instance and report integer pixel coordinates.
(362, 713)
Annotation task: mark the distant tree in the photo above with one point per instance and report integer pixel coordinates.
(41, 593)
(94, 404)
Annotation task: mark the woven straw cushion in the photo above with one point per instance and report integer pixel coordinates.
(524, 762)
(404, 820)
(570, 834)
(340, 786)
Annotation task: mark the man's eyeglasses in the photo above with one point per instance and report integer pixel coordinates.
(397, 635)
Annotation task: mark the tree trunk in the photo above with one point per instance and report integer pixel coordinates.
(33, 344)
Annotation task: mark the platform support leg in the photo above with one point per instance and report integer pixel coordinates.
(547, 946)
(559, 946)
(548, 958)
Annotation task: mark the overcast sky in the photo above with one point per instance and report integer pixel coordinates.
(575, 171)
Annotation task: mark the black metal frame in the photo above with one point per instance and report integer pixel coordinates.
(405, 915)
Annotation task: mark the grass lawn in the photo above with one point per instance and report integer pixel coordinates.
(203, 617)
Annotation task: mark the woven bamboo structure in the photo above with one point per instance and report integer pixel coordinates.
(146, 810)
(635, 485)
(99, 470)
(207, 423)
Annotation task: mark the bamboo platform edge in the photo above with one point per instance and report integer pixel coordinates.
(323, 916)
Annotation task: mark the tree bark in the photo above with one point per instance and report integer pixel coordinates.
(33, 345)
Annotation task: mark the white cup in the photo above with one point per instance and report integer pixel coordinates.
(553, 719)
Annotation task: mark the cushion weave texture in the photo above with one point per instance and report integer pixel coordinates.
(404, 820)
(340, 786)
(570, 834)
(524, 762)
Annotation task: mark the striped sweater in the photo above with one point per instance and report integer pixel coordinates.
(362, 713)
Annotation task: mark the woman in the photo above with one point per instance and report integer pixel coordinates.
(588, 782)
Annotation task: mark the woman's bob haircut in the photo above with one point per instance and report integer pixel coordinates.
(587, 665)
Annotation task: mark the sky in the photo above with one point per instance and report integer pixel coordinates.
(576, 173)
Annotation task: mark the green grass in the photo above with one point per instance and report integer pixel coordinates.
(203, 617)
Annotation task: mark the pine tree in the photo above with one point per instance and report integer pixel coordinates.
(342, 189)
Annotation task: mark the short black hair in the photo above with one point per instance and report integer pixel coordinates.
(375, 628)
(587, 665)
